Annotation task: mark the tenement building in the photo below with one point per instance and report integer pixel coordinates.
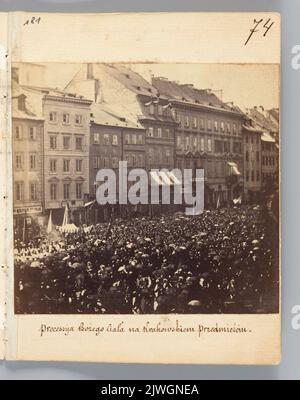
(208, 135)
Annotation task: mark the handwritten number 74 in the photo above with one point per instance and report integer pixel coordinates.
(258, 27)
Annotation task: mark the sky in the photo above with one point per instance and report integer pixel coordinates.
(247, 85)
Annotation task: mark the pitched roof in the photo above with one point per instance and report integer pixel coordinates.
(264, 122)
(104, 115)
(191, 94)
(130, 79)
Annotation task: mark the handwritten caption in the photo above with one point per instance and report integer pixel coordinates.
(146, 328)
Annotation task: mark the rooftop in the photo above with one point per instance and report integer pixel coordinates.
(104, 115)
(190, 94)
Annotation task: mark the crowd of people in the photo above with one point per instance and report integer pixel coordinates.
(222, 261)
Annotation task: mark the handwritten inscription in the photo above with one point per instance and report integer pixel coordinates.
(260, 25)
(32, 21)
(147, 328)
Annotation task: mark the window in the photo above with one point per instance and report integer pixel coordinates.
(209, 144)
(141, 160)
(159, 132)
(140, 139)
(167, 133)
(216, 126)
(187, 122)
(151, 108)
(202, 144)
(258, 176)
(195, 142)
(263, 160)
(78, 191)
(19, 161)
(228, 127)
(18, 132)
(66, 118)
(115, 140)
(218, 146)
(160, 109)
(209, 125)
(106, 139)
(52, 116)
(222, 126)
(33, 191)
(115, 162)
(247, 176)
(127, 138)
(257, 156)
(66, 142)
(78, 165)
(97, 162)
(179, 141)
(133, 138)
(52, 165)
(150, 132)
(78, 119)
(187, 141)
(32, 159)
(66, 191)
(247, 155)
(128, 158)
(105, 162)
(66, 165)
(234, 128)
(252, 176)
(53, 142)
(134, 160)
(96, 138)
(202, 125)
(195, 122)
(19, 191)
(150, 155)
(32, 133)
(79, 143)
(226, 147)
(168, 156)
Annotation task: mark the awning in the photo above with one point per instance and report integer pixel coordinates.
(89, 203)
(233, 168)
(69, 228)
(164, 178)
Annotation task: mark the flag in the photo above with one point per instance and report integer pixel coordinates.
(66, 216)
(50, 224)
(218, 202)
(25, 229)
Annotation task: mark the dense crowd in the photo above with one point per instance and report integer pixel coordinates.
(221, 261)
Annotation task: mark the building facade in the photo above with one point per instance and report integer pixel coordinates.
(252, 161)
(270, 159)
(27, 158)
(27, 133)
(208, 136)
(66, 154)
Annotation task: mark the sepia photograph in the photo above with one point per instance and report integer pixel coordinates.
(146, 188)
